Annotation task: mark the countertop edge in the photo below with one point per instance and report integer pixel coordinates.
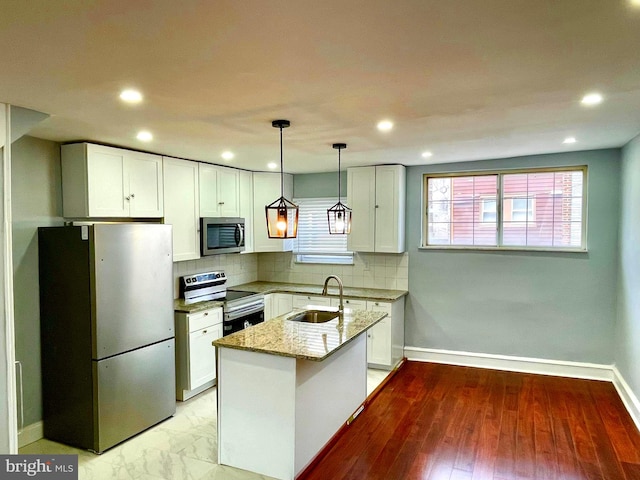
(361, 293)
(265, 351)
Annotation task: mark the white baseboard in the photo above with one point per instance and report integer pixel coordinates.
(627, 396)
(591, 371)
(30, 433)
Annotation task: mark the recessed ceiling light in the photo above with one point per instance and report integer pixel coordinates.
(131, 96)
(272, 165)
(144, 136)
(593, 98)
(635, 3)
(385, 125)
(570, 140)
(227, 155)
(427, 154)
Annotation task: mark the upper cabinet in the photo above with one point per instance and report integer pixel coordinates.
(219, 191)
(266, 189)
(181, 201)
(246, 208)
(377, 197)
(100, 181)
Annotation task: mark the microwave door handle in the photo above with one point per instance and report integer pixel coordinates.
(239, 234)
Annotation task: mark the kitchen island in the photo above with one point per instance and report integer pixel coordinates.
(286, 387)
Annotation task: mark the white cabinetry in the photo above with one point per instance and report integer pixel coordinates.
(219, 191)
(181, 202)
(195, 356)
(276, 304)
(246, 207)
(99, 181)
(377, 197)
(266, 189)
(304, 301)
(385, 340)
(352, 303)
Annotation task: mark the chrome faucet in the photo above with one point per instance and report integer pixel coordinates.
(324, 291)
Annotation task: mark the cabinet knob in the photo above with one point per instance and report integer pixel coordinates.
(204, 332)
(127, 198)
(133, 195)
(207, 313)
(377, 206)
(220, 203)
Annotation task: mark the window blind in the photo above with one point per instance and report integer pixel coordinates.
(314, 243)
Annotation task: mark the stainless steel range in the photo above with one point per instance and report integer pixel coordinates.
(241, 309)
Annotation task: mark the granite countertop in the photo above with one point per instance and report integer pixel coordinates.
(308, 341)
(180, 306)
(306, 289)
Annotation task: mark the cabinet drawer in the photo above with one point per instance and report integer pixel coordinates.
(350, 303)
(302, 301)
(379, 307)
(200, 320)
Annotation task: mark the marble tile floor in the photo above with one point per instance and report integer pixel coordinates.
(183, 447)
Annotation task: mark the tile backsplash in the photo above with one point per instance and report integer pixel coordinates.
(239, 268)
(369, 270)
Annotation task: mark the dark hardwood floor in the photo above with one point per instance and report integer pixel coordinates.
(456, 423)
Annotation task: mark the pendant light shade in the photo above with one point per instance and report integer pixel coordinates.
(339, 216)
(282, 214)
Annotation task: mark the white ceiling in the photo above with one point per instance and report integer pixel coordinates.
(465, 79)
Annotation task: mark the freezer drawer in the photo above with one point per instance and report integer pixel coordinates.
(135, 390)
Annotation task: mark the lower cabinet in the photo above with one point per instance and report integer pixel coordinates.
(276, 304)
(385, 340)
(195, 356)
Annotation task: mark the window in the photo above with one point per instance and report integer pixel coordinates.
(314, 243)
(532, 209)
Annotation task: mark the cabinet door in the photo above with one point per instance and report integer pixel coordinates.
(304, 301)
(228, 192)
(208, 185)
(361, 198)
(266, 189)
(389, 208)
(107, 192)
(268, 306)
(379, 343)
(246, 207)
(202, 355)
(181, 207)
(145, 185)
(282, 303)
(379, 338)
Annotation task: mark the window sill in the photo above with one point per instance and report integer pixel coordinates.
(503, 249)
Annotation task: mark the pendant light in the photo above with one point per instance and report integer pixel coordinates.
(282, 215)
(339, 216)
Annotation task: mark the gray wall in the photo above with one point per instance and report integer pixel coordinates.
(557, 306)
(37, 201)
(628, 326)
(318, 185)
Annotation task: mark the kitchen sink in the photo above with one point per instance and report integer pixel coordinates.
(313, 316)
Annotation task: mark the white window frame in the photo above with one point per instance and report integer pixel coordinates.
(330, 257)
(500, 221)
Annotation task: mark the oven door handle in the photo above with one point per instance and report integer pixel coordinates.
(243, 312)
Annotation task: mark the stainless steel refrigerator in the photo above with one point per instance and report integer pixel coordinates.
(107, 331)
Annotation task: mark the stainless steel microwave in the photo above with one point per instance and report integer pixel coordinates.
(221, 235)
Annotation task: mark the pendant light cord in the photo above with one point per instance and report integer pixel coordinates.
(281, 167)
(339, 175)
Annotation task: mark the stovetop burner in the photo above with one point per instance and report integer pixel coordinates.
(236, 294)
